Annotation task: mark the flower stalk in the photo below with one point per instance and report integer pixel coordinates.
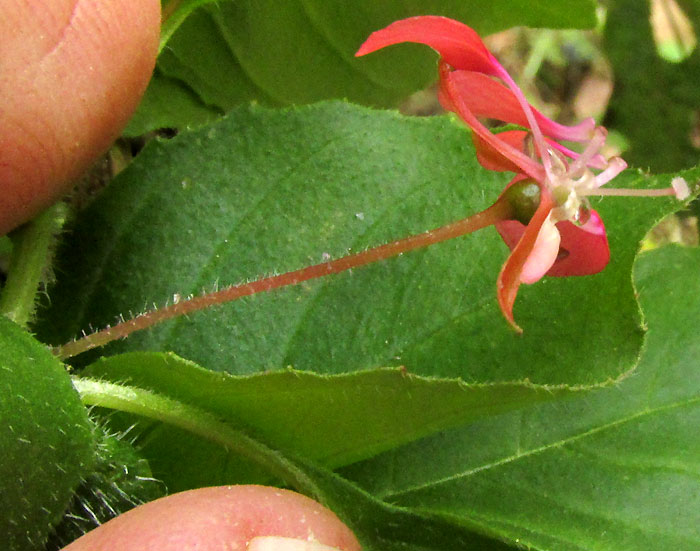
(543, 215)
(501, 210)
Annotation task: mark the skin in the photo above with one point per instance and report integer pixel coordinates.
(224, 518)
(71, 76)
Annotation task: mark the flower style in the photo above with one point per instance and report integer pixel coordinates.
(556, 233)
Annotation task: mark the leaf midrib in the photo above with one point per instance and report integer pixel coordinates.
(547, 447)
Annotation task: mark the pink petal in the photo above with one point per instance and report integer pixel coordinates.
(487, 98)
(584, 249)
(543, 254)
(457, 44)
(512, 272)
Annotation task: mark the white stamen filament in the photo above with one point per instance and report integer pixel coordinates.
(577, 168)
(540, 144)
(615, 166)
(631, 192)
(558, 165)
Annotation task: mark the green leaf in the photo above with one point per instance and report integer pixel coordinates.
(265, 191)
(301, 413)
(174, 12)
(45, 438)
(380, 527)
(612, 469)
(655, 102)
(302, 51)
(384, 527)
(168, 103)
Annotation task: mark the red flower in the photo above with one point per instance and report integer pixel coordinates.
(561, 235)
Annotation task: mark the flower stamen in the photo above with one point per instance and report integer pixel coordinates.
(615, 166)
(577, 168)
(540, 144)
(623, 192)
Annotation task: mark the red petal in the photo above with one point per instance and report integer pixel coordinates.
(511, 231)
(509, 278)
(509, 156)
(457, 44)
(587, 248)
(583, 250)
(487, 98)
(492, 159)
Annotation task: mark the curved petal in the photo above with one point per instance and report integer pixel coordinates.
(584, 249)
(491, 159)
(458, 44)
(545, 250)
(487, 98)
(511, 274)
(502, 149)
(543, 254)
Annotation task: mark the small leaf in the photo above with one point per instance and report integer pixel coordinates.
(45, 438)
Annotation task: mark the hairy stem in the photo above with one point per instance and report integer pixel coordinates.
(501, 210)
(31, 259)
(151, 405)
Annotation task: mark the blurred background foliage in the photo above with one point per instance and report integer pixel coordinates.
(632, 65)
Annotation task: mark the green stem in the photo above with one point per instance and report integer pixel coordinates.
(148, 404)
(31, 258)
